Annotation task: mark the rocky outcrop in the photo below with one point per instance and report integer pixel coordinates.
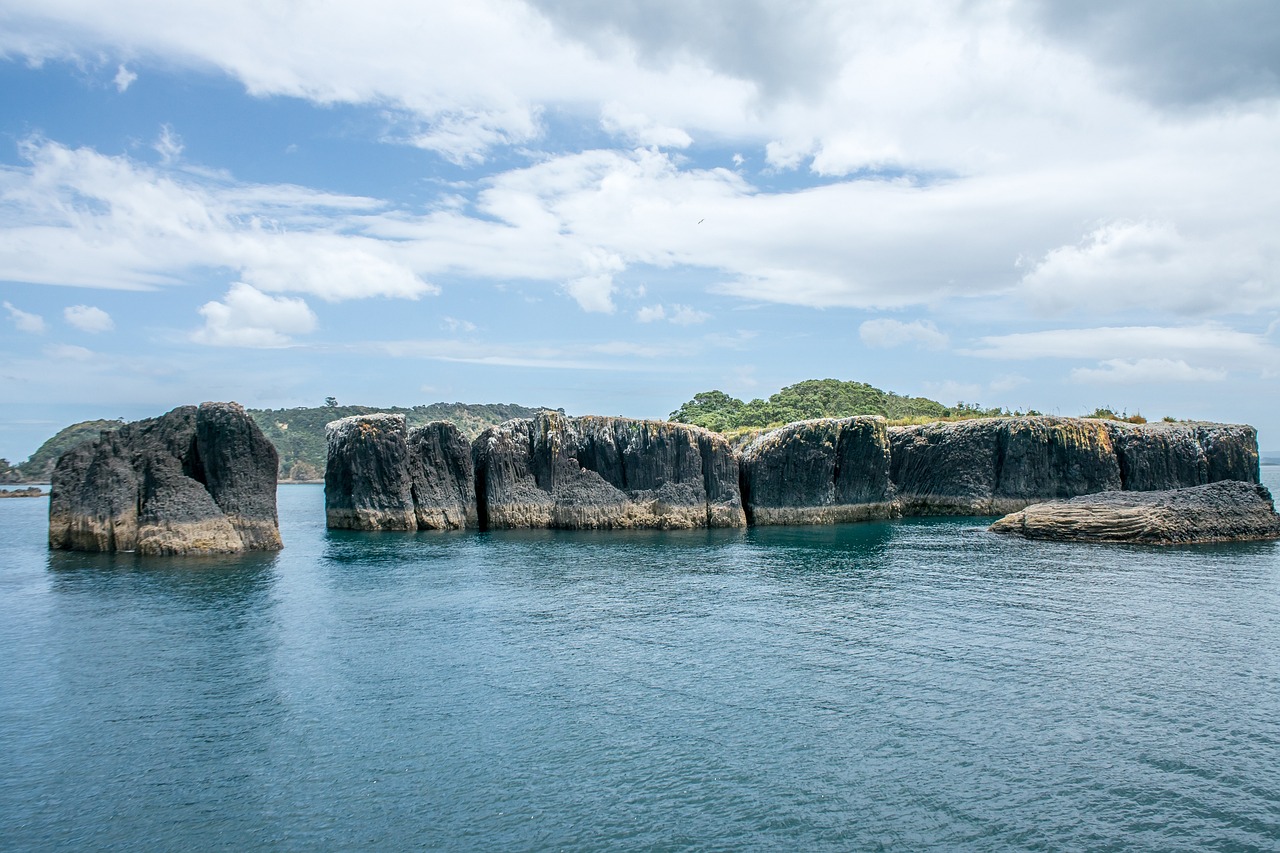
(382, 476)
(996, 465)
(825, 471)
(1225, 511)
(1176, 455)
(197, 480)
(601, 473)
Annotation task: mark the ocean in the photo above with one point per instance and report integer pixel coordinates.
(919, 684)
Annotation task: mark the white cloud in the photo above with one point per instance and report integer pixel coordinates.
(24, 321)
(87, 318)
(124, 78)
(249, 318)
(168, 145)
(68, 352)
(453, 324)
(651, 314)
(886, 333)
(641, 130)
(680, 315)
(1123, 265)
(1127, 342)
(1141, 371)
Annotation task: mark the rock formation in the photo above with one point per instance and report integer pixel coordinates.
(193, 481)
(1176, 455)
(825, 471)
(995, 465)
(1225, 511)
(382, 476)
(598, 473)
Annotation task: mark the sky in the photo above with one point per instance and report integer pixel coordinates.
(610, 207)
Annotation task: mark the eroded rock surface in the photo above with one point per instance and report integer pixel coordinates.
(1159, 456)
(197, 480)
(825, 471)
(382, 476)
(599, 473)
(1225, 511)
(994, 465)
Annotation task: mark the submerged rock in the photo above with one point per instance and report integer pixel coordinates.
(1225, 511)
(599, 473)
(381, 476)
(193, 481)
(825, 471)
(994, 465)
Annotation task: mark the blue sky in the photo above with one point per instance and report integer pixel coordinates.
(611, 207)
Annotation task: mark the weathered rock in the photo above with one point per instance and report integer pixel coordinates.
(825, 471)
(599, 473)
(193, 481)
(1225, 511)
(994, 465)
(381, 476)
(443, 479)
(1176, 455)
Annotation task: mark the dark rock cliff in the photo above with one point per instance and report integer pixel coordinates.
(598, 473)
(824, 471)
(1224, 511)
(381, 476)
(193, 481)
(1177, 455)
(996, 465)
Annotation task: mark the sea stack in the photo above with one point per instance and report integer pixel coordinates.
(381, 476)
(197, 480)
(587, 473)
(1225, 511)
(825, 471)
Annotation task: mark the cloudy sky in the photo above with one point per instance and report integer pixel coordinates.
(609, 207)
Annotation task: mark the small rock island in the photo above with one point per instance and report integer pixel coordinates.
(197, 480)
(1226, 511)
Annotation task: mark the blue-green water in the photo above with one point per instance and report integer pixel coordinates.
(899, 685)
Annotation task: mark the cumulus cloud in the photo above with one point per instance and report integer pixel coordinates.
(247, 317)
(24, 321)
(1139, 371)
(87, 318)
(1123, 265)
(886, 333)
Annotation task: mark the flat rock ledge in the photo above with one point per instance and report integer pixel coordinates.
(197, 480)
(1226, 511)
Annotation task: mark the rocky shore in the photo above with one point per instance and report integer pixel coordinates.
(1226, 511)
(197, 480)
(553, 471)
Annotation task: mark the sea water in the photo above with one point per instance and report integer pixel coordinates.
(908, 685)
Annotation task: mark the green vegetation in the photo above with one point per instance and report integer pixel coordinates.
(1108, 414)
(39, 467)
(818, 398)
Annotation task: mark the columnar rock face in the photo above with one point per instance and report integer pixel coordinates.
(1176, 455)
(1225, 511)
(823, 471)
(990, 466)
(598, 473)
(193, 481)
(381, 476)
